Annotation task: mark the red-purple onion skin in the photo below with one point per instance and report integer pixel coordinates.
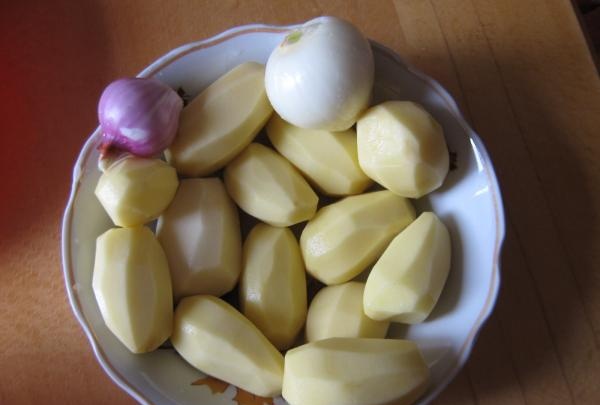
(139, 115)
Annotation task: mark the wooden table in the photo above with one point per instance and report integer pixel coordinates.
(522, 73)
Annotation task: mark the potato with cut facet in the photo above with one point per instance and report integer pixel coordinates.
(407, 280)
(337, 311)
(355, 371)
(132, 286)
(273, 284)
(221, 121)
(135, 190)
(328, 159)
(269, 188)
(215, 338)
(402, 147)
(345, 237)
(200, 232)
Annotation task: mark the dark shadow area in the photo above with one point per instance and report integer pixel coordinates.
(56, 61)
(548, 272)
(588, 12)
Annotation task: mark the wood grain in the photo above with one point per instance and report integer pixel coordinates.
(521, 72)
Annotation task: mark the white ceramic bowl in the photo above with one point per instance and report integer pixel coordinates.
(469, 203)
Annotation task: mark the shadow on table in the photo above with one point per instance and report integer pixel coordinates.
(548, 264)
(57, 59)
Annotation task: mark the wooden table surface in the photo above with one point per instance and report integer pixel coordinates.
(521, 72)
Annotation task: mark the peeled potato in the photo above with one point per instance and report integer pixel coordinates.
(406, 282)
(345, 237)
(215, 338)
(268, 187)
(273, 284)
(402, 147)
(337, 311)
(135, 190)
(328, 159)
(200, 232)
(132, 286)
(220, 122)
(354, 371)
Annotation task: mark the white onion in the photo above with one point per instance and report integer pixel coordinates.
(321, 75)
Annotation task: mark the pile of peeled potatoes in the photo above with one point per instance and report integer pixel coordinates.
(344, 170)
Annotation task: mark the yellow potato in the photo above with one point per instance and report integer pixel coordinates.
(220, 122)
(273, 284)
(346, 236)
(135, 190)
(200, 232)
(215, 338)
(337, 311)
(132, 286)
(328, 159)
(354, 371)
(402, 147)
(406, 282)
(268, 187)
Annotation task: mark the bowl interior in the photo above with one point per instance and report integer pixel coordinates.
(469, 203)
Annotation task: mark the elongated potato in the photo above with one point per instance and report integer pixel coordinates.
(328, 159)
(200, 232)
(346, 236)
(220, 122)
(132, 286)
(337, 311)
(215, 338)
(268, 187)
(134, 190)
(406, 282)
(402, 147)
(273, 284)
(354, 371)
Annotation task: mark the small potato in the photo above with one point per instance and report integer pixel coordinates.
(406, 282)
(273, 284)
(220, 122)
(328, 159)
(269, 188)
(337, 311)
(354, 371)
(200, 232)
(346, 236)
(215, 338)
(402, 147)
(132, 286)
(135, 190)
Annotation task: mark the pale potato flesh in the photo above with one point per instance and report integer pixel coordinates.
(269, 188)
(221, 121)
(328, 159)
(337, 311)
(135, 190)
(273, 284)
(132, 286)
(345, 237)
(406, 282)
(402, 147)
(354, 371)
(215, 338)
(200, 233)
